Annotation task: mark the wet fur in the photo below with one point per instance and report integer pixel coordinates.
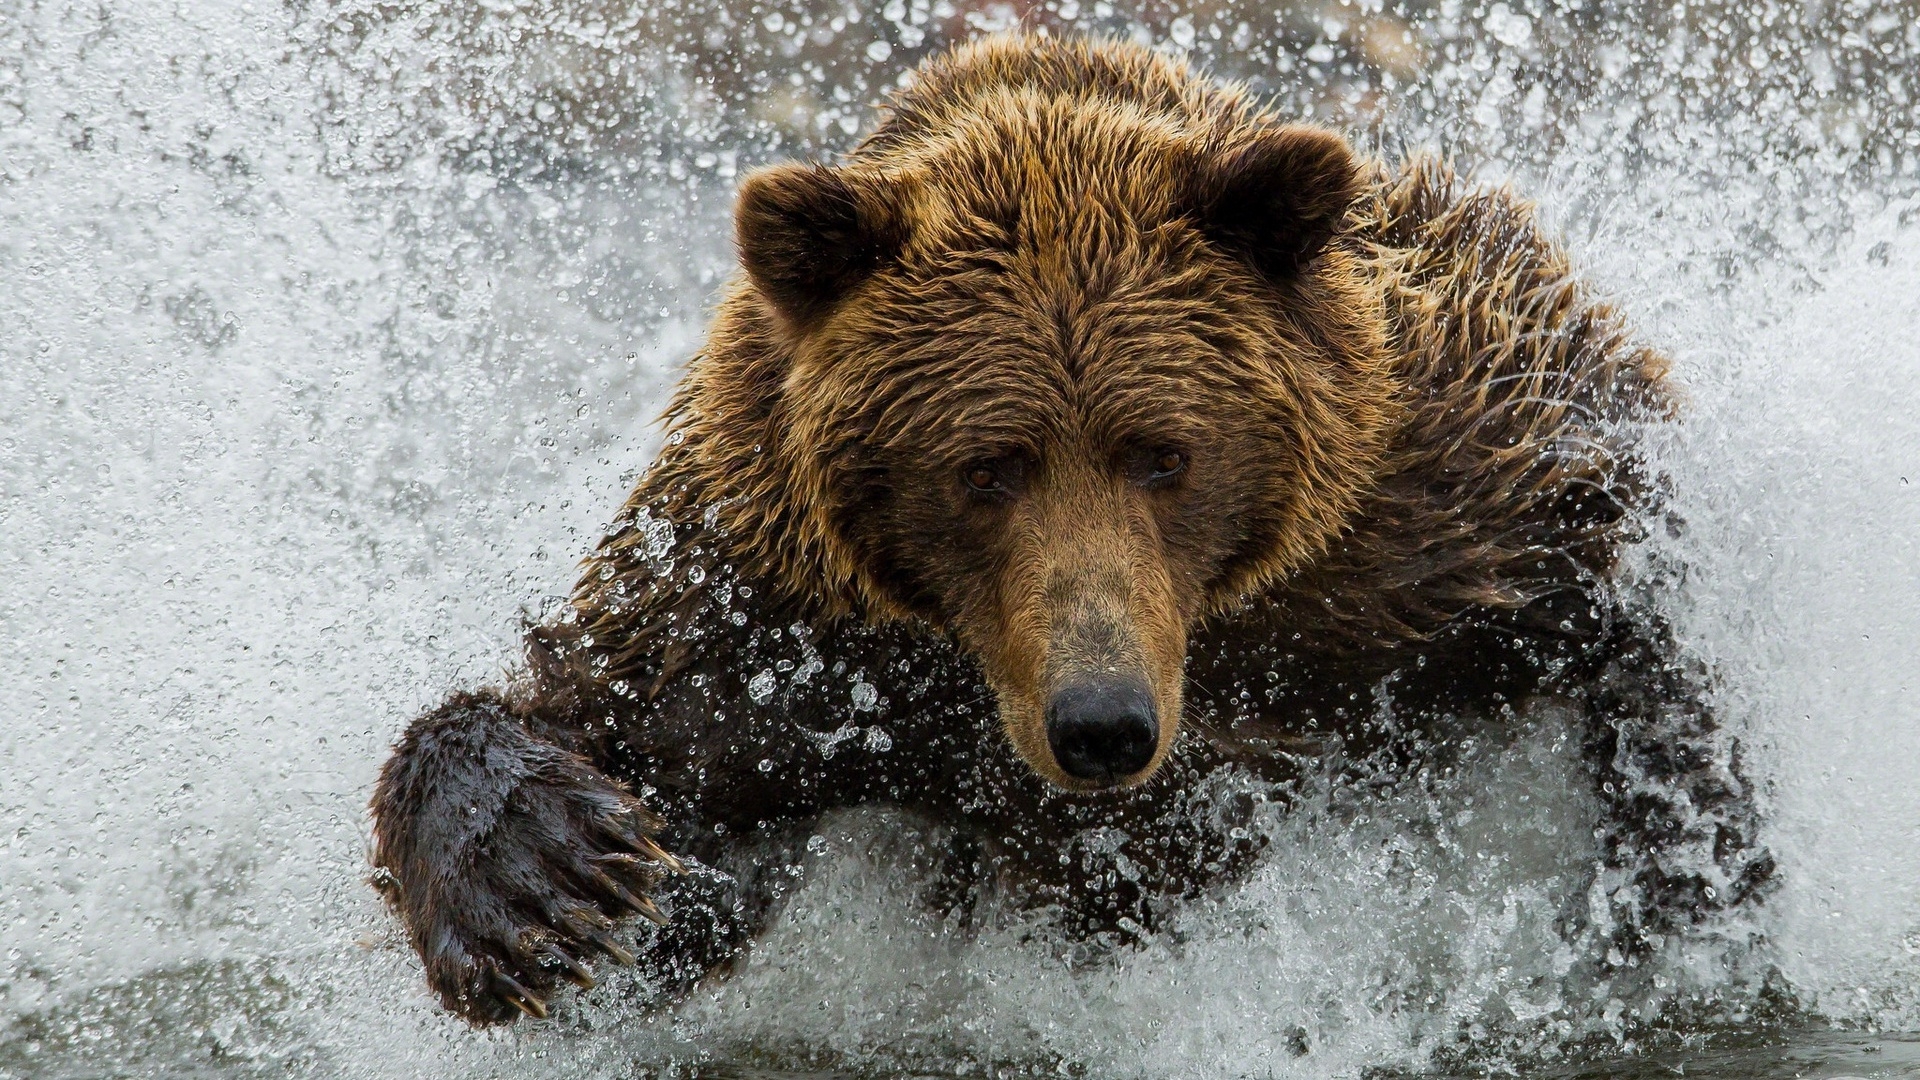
(763, 636)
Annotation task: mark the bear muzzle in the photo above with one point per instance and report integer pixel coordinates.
(1103, 730)
(1084, 638)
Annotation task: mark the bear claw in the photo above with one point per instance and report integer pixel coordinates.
(520, 997)
(571, 969)
(604, 941)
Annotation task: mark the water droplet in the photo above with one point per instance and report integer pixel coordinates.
(760, 689)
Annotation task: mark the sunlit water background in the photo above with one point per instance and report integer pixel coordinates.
(330, 335)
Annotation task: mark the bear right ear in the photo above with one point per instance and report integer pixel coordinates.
(1276, 200)
(809, 233)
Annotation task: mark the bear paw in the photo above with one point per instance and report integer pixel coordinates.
(509, 860)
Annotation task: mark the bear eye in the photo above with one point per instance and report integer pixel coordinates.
(1168, 463)
(996, 479)
(983, 478)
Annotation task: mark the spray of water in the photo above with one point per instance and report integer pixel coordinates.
(329, 336)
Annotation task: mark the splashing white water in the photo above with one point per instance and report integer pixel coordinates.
(1802, 474)
(302, 404)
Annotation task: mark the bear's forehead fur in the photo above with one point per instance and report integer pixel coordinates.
(1027, 169)
(1079, 323)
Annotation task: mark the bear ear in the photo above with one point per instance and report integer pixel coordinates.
(1277, 199)
(809, 233)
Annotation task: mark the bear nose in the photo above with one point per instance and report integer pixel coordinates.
(1102, 730)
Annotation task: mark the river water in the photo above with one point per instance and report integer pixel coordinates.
(331, 334)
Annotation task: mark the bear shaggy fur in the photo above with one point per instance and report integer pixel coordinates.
(1086, 444)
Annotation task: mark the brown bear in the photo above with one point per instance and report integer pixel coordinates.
(1087, 435)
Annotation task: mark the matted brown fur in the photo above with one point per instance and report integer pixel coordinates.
(1080, 366)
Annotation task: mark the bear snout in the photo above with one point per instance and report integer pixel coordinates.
(1103, 730)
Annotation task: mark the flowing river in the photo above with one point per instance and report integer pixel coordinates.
(332, 333)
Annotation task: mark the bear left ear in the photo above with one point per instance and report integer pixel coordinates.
(1276, 200)
(809, 233)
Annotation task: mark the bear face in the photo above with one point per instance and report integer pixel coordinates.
(1065, 379)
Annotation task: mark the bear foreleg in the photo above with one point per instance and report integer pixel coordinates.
(1681, 834)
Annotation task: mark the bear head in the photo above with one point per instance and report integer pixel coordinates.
(1063, 376)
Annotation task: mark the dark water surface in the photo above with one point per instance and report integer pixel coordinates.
(1774, 1055)
(1770, 1056)
(1778, 1055)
